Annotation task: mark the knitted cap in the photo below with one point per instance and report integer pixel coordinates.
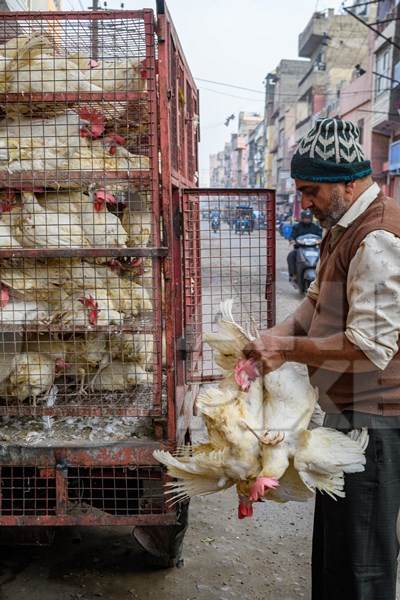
(330, 152)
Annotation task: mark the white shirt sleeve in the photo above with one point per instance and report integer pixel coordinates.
(373, 294)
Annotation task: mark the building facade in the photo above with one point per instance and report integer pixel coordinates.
(345, 69)
(281, 122)
(235, 156)
(386, 96)
(256, 147)
(334, 44)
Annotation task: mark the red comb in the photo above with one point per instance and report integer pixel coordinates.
(245, 373)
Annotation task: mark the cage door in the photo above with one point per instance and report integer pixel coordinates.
(229, 252)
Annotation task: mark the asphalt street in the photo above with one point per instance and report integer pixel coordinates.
(263, 558)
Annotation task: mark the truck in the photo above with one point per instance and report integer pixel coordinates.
(108, 277)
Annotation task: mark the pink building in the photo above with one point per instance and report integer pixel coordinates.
(357, 104)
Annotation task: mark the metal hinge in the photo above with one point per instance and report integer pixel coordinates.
(178, 223)
(182, 348)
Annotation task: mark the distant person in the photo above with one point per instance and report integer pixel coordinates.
(304, 227)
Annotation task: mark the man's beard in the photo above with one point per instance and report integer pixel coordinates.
(338, 207)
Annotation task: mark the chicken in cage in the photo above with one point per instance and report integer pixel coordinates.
(84, 327)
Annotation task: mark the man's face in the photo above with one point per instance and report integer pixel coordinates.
(328, 201)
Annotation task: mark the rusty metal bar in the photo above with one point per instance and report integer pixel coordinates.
(66, 252)
(136, 452)
(156, 203)
(54, 328)
(229, 191)
(80, 410)
(71, 97)
(89, 520)
(48, 178)
(164, 73)
(74, 15)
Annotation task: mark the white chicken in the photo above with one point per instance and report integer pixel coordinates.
(32, 375)
(129, 297)
(77, 357)
(11, 344)
(90, 308)
(35, 227)
(21, 48)
(22, 312)
(135, 348)
(119, 376)
(39, 144)
(284, 461)
(31, 280)
(138, 225)
(111, 75)
(46, 73)
(7, 240)
(61, 143)
(101, 228)
(30, 64)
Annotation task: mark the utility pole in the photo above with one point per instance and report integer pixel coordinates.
(95, 30)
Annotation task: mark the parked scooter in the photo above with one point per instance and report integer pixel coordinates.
(307, 256)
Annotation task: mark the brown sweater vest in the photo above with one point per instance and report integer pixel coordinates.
(377, 392)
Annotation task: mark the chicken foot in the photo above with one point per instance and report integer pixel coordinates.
(105, 361)
(269, 438)
(82, 378)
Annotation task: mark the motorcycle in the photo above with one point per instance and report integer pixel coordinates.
(243, 226)
(215, 225)
(307, 256)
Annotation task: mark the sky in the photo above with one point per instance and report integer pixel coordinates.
(231, 41)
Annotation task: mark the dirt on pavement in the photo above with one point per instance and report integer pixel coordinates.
(267, 557)
(264, 558)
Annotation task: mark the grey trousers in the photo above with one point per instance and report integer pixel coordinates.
(355, 544)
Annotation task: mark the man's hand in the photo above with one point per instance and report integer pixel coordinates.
(267, 352)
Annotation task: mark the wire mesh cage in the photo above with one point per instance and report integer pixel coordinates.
(91, 492)
(229, 241)
(77, 96)
(80, 234)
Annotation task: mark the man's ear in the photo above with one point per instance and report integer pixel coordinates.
(349, 187)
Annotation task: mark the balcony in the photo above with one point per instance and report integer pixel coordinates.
(303, 127)
(313, 34)
(386, 117)
(314, 79)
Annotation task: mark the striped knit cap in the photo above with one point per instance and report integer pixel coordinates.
(330, 152)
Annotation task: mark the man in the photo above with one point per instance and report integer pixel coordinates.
(346, 331)
(304, 227)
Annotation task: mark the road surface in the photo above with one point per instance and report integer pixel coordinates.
(264, 558)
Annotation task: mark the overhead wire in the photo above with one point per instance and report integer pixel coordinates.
(237, 87)
(292, 96)
(231, 95)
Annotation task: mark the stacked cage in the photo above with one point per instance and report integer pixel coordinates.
(80, 251)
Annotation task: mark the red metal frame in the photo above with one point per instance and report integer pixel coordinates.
(148, 178)
(177, 91)
(173, 104)
(210, 277)
(96, 465)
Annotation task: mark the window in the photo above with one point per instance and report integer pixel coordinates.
(360, 125)
(361, 10)
(396, 74)
(382, 82)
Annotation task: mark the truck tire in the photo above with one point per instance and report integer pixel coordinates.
(163, 544)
